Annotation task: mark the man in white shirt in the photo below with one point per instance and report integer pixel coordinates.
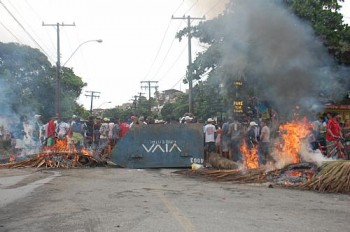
(209, 134)
(264, 144)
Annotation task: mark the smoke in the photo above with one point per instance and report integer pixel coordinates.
(279, 54)
(208, 8)
(316, 157)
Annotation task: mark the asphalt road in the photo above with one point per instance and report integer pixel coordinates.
(114, 199)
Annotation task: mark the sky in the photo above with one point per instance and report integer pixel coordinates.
(138, 36)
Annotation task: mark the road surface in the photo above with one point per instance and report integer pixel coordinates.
(116, 199)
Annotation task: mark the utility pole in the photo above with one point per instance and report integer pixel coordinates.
(134, 99)
(92, 95)
(189, 18)
(58, 67)
(149, 86)
(140, 95)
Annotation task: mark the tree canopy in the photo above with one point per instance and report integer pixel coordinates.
(284, 51)
(28, 83)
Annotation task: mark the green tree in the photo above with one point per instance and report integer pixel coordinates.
(238, 49)
(28, 83)
(327, 21)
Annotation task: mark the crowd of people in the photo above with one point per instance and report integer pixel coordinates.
(95, 133)
(328, 133)
(224, 137)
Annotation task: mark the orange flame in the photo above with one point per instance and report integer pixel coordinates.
(64, 146)
(250, 156)
(12, 158)
(291, 134)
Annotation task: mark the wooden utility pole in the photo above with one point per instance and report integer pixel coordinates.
(149, 86)
(92, 95)
(58, 67)
(189, 76)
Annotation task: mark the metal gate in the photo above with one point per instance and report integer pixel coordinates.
(160, 146)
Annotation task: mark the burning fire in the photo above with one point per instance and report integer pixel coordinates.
(250, 156)
(291, 135)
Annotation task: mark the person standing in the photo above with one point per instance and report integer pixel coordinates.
(209, 135)
(333, 134)
(264, 143)
(218, 139)
(104, 130)
(77, 130)
(251, 137)
(96, 132)
(123, 128)
(38, 132)
(226, 138)
(235, 131)
(89, 134)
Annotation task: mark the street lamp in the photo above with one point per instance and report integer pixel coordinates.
(59, 67)
(92, 40)
(99, 107)
(103, 104)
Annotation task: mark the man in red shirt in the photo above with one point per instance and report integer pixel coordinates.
(123, 128)
(333, 133)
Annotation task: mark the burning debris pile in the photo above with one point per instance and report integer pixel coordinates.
(235, 175)
(334, 177)
(60, 155)
(291, 166)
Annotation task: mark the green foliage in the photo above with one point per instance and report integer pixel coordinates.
(208, 100)
(327, 21)
(28, 83)
(177, 109)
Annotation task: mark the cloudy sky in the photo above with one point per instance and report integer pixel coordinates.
(138, 40)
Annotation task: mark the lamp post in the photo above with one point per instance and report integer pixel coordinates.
(103, 104)
(59, 67)
(99, 111)
(92, 40)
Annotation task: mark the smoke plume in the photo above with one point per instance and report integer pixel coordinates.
(268, 45)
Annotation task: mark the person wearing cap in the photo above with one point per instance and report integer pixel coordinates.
(38, 132)
(134, 121)
(251, 137)
(104, 129)
(77, 131)
(96, 132)
(142, 120)
(209, 138)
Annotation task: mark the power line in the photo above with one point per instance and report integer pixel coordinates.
(58, 66)
(161, 44)
(172, 66)
(40, 20)
(92, 95)
(191, 7)
(30, 36)
(9, 31)
(213, 7)
(166, 55)
(149, 86)
(189, 35)
(183, 77)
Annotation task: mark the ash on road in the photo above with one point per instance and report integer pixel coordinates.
(114, 199)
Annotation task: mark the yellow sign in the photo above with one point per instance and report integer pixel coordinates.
(238, 83)
(238, 106)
